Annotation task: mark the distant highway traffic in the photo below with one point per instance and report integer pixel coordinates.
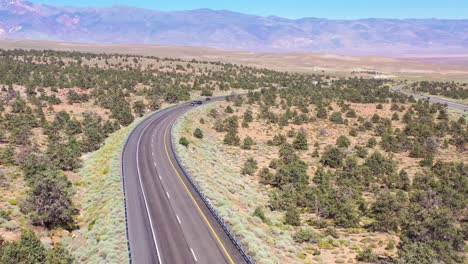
(431, 99)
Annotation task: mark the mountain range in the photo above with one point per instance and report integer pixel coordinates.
(230, 30)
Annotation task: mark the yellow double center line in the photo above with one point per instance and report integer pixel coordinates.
(195, 202)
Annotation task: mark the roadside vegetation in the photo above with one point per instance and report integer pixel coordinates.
(454, 91)
(339, 172)
(102, 237)
(330, 168)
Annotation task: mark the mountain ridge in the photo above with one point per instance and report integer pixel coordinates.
(231, 30)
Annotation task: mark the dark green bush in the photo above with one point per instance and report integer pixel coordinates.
(184, 141)
(250, 166)
(198, 133)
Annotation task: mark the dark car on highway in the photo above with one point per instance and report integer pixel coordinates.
(196, 102)
(208, 99)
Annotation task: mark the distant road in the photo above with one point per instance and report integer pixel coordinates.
(167, 220)
(431, 99)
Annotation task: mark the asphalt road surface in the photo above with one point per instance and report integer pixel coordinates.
(431, 99)
(167, 220)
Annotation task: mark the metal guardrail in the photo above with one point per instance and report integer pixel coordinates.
(125, 194)
(208, 204)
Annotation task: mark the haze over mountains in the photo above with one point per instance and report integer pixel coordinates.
(230, 30)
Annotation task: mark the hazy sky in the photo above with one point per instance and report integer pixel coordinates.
(338, 9)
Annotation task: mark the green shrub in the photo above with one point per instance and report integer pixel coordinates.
(28, 249)
(5, 215)
(372, 142)
(330, 231)
(375, 118)
(259, 213)
(320, 223)
(231, 139)
(390, 245)
(327, 243)
(58, 255)
(277, 140)
(361, 152)
(12, 201)
(300, 142)
(248, 116)
(266, 177)
(292, 217)
(420, 253)
(247, 143)
(207, 92)
(321, 113)
(184, 141)
(306, 235)
(198, 133)
(316, 153)
(332, 157)
(351, 113)
(48, 202)
(139, 108)
(229, 110)
(213, 113)
(343, 142)
(250, 166)
(336, 118)
(367, 255)
(7, 155)
(65, 156)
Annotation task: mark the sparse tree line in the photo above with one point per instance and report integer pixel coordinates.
(427, 213)
(447, 89)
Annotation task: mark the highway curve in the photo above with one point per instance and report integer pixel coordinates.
(167, 220)
(459, 106)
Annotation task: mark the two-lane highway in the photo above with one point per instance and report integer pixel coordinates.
(459, 106)
(167, 220)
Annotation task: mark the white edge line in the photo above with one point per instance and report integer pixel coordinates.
(193, 253)
(144, 195)
(178, 219)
